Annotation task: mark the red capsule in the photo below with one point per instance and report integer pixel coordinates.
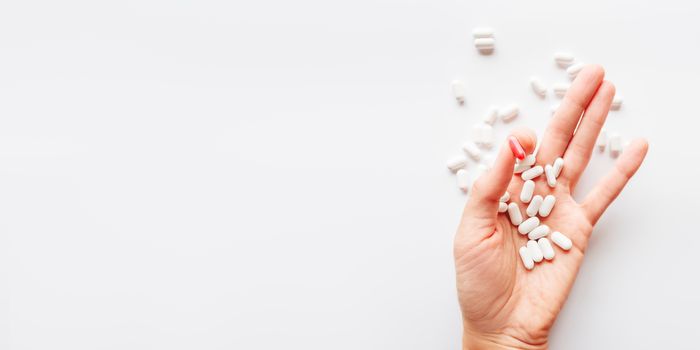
(516, 148)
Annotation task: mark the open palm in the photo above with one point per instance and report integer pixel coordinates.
(503, 304)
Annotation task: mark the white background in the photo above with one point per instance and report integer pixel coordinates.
(270, 174)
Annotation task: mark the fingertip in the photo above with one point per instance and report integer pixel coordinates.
(608, 87)
(594, 70)
(527, 138)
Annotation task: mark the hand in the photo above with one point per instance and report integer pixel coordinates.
(503, 304)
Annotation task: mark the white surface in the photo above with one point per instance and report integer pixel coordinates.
(263, 175)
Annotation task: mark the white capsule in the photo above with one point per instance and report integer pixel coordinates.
(615, 145)
(502, 207)
(505, 197)
(482, 32)
(530, 159)
(602, 140)
(549, 173)
(485, 45)
(538, 232)
(532, 173)
(560, 89)
(528, 225)
(563, 59)
(491, 115)
(483, 135)
(516, 218)
(459, 91)
(526, 193)
(520, 167)
(534, 206)
(509, 113)
(547, 205)
(546, 248)
(457, 162)
(558, 165)
(538, 87)
(562, 241)
(472, 150)
(616, 102)
(463, 180)
(526, 258)
(535, 251)
(573, 71)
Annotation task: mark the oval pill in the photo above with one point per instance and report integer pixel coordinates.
(535, 251)
(485, 45)
(616, 102)
(529, 160)
(615, 145)
(538, 86)
(472, 150)
(528, 225)
(505, 197)
(547, 205)
(520, 167)
(526, 193)
(509, 113)
(502, 207)
(463, 180)
(558, 165)
(573, 70)
(538, 232)
(526, 258)
(563, 59)
(562, 241)
(534, 206)
(491, 115)
(549, 173)
(483, 135)
(546, 248)
(457, 162)
(482, 32)
(459, 91)
(560, 89)
(516, 218)
(532, 173)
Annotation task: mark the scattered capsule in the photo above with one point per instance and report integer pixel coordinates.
(485, 45)
(528, 225)
(538, 87)
(532, 173)
(526, 258)
(516, 218)
(472, 150)
(509, 113)
(526, 193)
(547, 205)
(534, 206)
(563, 59)
(602, 140)
(482, 32)
(562, 241)
(457, 162)
(573, 70)
(529, 160)
(546, 248)
(535, 251)
(549, 173)
(558, 165)
(463, 180)
(615, 145)
(483, 135)
(459, 91)
(491, 115)
(502, 207)
(505, 197)
(520, 167)
(560, 89)
(538, 232)
(616, 102)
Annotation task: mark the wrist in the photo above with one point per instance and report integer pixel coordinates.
(477, 341)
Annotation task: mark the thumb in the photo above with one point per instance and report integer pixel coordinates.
(491, 185)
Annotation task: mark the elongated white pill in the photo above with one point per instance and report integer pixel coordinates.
(558, 165)
(535, 251)
(472, 150)
(546, 248)
(616, 102)
(560, 89)
(538, 87)
(562, 241)
(526, 193)
(549, 173)
(538, 232)
(509, 113)
(491, 115)
(463, 180)
(528, 225)
(563, 59)
(615, 145)
(457, 162)
(529, 159)
(602, 140)
(573, 70)
(505, 197)
(532, 173)
(502, 207)
(534, 206)
(483, 135)
(516, 218)
(459, 91)
(526, 258)
(485, 45)
(482, 32)
(547, 205)
(520, 167)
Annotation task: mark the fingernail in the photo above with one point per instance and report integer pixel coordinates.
(516, 148)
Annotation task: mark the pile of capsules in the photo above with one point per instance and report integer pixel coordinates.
(538, 247)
